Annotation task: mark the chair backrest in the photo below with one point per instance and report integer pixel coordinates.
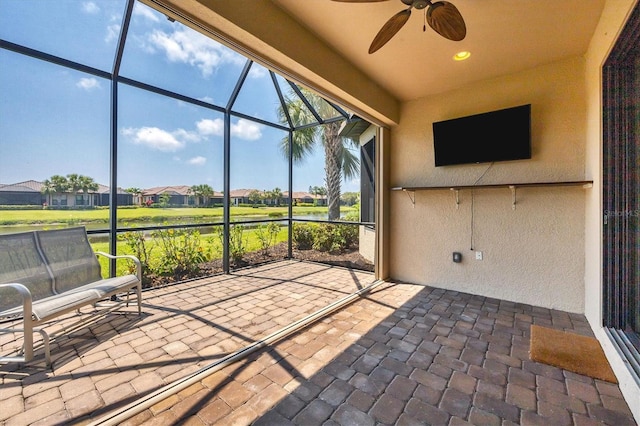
(21, 261)
(70, 257)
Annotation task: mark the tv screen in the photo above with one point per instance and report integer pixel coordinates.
(501, 135)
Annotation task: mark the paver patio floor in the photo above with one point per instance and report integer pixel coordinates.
(403, 354)
(122, 356)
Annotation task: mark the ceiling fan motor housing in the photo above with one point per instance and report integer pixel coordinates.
(420, 4)
(417, 4)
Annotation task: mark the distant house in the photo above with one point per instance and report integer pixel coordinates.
(179, 195)
(306, 197)
(240, 196)
(29, 193)
(22, 193)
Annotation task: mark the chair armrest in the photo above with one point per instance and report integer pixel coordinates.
(27, 321)
(125, 256)
(27, 299)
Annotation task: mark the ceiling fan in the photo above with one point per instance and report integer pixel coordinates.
(442, 16)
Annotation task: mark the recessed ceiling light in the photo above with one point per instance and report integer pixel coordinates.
(461, 56)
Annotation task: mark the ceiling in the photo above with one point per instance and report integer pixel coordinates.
(503, 36)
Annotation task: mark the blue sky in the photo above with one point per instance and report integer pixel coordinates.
(55, 120)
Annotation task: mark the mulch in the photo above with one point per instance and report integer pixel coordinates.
(350, 258)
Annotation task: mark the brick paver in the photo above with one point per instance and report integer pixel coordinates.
(183, 327)
(404, 354)
(436, 357)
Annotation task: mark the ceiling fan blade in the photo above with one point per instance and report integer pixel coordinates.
(446, 20)
(389, 29)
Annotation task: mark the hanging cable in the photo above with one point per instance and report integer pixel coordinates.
(472, 203)
(483, 174)
(472, 220)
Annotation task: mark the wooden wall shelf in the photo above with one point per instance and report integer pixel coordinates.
(512, 186)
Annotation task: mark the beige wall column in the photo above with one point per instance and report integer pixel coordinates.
(383, 143)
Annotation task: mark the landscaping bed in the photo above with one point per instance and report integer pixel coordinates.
(350, 258)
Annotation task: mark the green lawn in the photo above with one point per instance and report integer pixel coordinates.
(130, 217)
(144, 214)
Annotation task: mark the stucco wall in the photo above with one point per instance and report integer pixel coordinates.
(534, 254)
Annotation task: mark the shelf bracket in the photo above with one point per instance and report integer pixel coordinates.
(413, 199)
(513, 196)
(457, 194)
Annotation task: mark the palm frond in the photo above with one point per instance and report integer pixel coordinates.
(304, 140)
(350, 163)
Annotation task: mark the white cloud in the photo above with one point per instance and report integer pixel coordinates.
(187, 136)
(197, 161)
(90, 7)
(208, 127)
(154, 138)
(162, 140)
(257, 72)
(245, 129)
(190, 47)
(113, 31)
(88, 83)
(207, 99)
(145, 12)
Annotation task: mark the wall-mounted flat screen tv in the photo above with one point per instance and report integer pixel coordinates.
(501, 135)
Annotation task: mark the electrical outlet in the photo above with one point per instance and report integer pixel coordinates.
(478, 255)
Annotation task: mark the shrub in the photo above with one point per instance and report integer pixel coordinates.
(22, 207)
(353, 215)
(303, 235)
(266, 235)
(325, 239)
(349, 235)
(256, 206)
(136, 242)
(237, 242)
(182, 251)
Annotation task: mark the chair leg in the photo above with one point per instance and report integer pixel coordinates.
(45, 342)
(28, 337)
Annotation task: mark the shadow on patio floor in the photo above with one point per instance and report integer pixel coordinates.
(405, 354)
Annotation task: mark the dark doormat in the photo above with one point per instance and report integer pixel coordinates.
(570, 351)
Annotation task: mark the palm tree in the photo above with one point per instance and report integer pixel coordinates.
(193, 190)
(339, 160)
(255, 197)
(320, 191)
(74, 185)
(87, 184)
(77, 183)
(276, 194)
(47, 189)
(136, 192)
(205, 191)
(55, 185)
